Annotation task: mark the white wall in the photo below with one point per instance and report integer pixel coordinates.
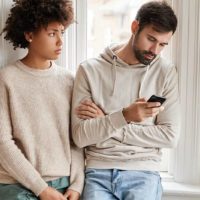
(7, 54)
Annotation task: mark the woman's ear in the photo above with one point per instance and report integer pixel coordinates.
(134, 27)
(28, 36)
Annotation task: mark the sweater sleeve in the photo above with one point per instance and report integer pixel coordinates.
(84, 131)
(77, 169)
(165, 132)
(11, 157)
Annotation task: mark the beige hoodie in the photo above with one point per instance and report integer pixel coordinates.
(112, 84)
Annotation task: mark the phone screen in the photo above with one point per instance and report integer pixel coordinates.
(155, 98)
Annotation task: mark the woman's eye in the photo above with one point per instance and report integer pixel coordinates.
(51, 34)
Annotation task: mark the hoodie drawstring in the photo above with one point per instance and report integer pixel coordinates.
(114, 74)
(142, 82)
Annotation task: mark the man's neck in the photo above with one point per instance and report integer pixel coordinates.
(126, 54)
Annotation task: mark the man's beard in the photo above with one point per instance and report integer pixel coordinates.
(140, 55)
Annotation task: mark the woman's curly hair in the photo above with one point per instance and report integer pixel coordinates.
(32, 15)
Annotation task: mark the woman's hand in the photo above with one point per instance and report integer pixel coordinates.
(51, 194)
(72, 195)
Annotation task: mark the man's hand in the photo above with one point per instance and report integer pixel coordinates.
(51, 194)
(87, 110)
(72, 195)
(140, 110)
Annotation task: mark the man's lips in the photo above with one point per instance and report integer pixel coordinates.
(149, 56)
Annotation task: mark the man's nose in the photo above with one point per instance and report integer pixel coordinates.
(155, 49)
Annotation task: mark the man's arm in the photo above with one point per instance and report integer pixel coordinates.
(165, 132)
(85, 130)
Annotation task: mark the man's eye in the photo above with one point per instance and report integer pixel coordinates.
(151, 39)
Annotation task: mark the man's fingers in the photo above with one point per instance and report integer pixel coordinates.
(83, 117)
(91, 104)
(152, 104)
(86, 113)
(86, 108)
(140, 100)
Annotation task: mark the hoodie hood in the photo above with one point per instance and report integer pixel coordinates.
(110, 56)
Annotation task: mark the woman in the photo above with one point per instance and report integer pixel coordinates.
(38, 160)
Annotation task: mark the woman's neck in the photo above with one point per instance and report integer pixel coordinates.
(36, 63)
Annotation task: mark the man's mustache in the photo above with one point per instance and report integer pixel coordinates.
(149, 53)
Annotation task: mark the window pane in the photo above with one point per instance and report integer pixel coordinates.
(109, 21)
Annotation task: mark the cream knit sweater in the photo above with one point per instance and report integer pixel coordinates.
(34, 127)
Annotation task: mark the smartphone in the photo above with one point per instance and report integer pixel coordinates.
(155, 98)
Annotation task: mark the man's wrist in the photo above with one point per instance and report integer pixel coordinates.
(125, 114)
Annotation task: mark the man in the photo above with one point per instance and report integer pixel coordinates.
(122, 133)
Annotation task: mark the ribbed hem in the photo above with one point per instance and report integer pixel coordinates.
(147, 165)
(36, 72)
(117, 120)
(38, 187)
(77, 186)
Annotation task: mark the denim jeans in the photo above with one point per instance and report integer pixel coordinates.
(114, 184)
(18, 192)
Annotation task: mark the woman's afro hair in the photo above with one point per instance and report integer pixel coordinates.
(32, 15)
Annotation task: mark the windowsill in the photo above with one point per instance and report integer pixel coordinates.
(172, 188)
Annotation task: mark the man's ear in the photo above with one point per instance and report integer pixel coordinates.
(28, 36)
(134, 26)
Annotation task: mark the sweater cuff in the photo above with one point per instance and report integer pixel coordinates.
(39, 186)
(76, 187)
(117, 119)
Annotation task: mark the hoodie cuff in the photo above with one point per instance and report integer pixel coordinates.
(117, 119)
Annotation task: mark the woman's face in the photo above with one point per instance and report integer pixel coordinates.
(47, 42)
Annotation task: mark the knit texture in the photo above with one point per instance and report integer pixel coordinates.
(35, 127)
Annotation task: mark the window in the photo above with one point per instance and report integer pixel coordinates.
(109, 21)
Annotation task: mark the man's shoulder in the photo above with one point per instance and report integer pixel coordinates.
(164, 65)
(92, 63)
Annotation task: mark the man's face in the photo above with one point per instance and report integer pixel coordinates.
(148, 43)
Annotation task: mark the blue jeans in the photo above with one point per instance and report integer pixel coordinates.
(114, 184)
(18, 192)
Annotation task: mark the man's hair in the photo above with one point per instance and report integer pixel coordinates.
(158, 14)
(32, 15)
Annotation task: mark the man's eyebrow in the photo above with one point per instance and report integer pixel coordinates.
(165, 43)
